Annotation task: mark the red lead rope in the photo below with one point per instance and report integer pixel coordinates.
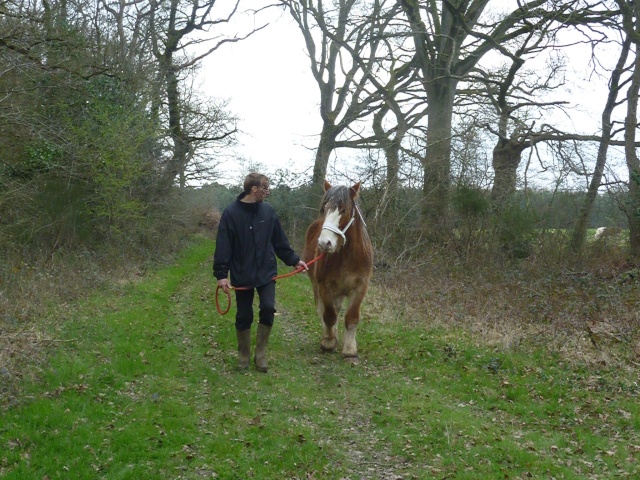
(277, 277)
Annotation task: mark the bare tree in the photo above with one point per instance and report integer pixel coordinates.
(607, 132)
(396, 105)
(631, 24)
(450, 40)
(399, 109)
(211, 131)
(173, 28)
(343, 43)
(130, 41)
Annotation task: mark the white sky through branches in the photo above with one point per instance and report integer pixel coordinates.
(268, 82)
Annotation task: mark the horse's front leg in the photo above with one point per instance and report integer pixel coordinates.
(329, 316)
(351, 319)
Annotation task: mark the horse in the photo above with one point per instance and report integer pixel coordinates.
(345, 267)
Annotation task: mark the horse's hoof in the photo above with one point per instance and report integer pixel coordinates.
(327, 350)
(352, 359)
(328, 347)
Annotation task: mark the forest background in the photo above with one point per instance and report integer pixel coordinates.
(456, 111)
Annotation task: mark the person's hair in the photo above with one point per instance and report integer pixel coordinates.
(254, 180)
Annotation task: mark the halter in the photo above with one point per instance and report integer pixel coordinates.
(338, 231)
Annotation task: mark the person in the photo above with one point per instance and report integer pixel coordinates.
(249, 238)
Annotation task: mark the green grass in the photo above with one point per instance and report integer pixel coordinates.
(142, 385)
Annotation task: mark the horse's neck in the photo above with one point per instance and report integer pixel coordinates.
(357, 232)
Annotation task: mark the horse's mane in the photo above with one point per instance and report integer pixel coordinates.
(335, 196)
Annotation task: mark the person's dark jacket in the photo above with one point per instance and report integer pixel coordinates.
(249, 238)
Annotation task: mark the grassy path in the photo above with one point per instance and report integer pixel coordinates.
(143, 386)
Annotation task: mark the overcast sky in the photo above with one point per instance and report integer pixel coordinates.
(269, 84)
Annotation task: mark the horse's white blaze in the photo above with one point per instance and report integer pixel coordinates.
(328, 240)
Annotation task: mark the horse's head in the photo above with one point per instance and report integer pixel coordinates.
(338, 210)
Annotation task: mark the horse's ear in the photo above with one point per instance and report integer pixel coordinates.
(327, 185)
(355, 190)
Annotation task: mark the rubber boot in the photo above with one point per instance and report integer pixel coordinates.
(244, 348)
(262, 340)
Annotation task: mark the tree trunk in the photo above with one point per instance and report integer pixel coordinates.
(391, 148)
(633, 164)
(582, 223)
(177, 162)
(506, 160)
(326, 146)
(392, 154)
(437, 161)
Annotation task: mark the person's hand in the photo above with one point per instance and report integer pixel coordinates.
(224, 285)
(302, 266)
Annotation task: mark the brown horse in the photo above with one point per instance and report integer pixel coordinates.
(344, 271)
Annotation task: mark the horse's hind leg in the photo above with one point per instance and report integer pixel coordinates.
(329, 317)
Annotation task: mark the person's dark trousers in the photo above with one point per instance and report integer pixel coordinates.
(244, 318)
(244, 304)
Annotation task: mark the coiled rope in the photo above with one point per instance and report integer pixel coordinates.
(277, 277)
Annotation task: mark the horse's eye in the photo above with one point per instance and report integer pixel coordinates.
(342, 211)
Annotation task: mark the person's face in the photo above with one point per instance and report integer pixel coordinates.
(263, 191)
